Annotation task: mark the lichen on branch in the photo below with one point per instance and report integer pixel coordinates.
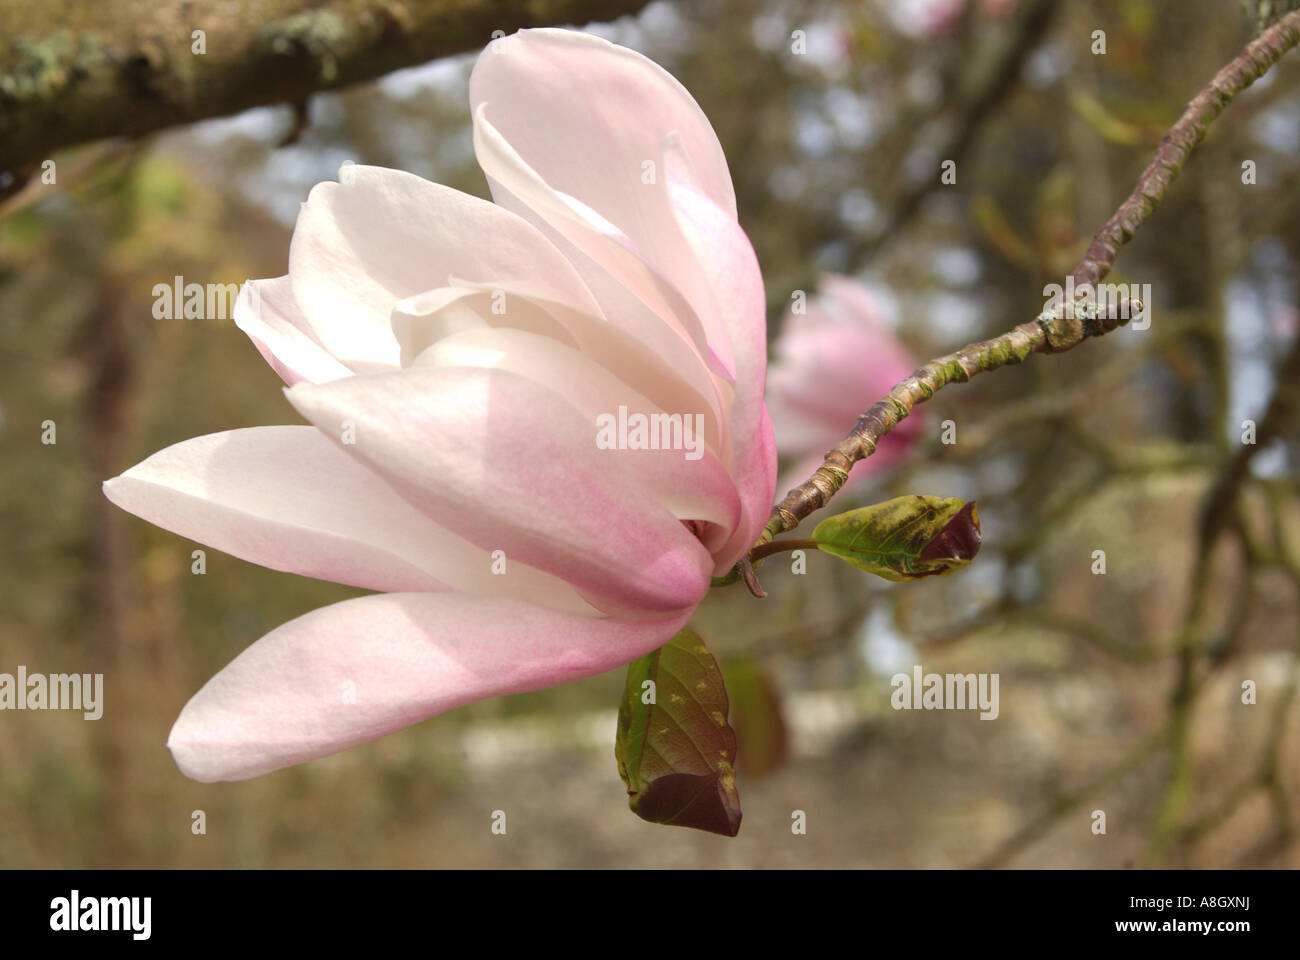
(73, 71)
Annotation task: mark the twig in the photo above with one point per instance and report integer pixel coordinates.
(1048, 333)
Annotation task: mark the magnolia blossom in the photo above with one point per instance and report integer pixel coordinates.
(832, 362)
(453, 358)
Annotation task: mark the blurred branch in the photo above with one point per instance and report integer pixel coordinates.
(1264, 12)
(1267, 775)
(1041, 411)
(957, 129)
(93, 162)
(1048, 333)
(1008, 612)
(130, 67)
(1216, 512)
(1138, 754)
(1251, 64)
(1278, 417)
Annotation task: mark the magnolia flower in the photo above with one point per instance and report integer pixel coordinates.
(831, 363)
(453, 357)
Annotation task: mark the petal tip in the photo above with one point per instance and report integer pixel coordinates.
(112, 487)
(188, 757)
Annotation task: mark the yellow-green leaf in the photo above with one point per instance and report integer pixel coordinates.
(905, 538)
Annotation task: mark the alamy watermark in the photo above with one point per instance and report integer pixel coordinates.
(76, 913)
(948, 691)
(179, 300)
(654, 431)
(1121, 301)
(58, 691)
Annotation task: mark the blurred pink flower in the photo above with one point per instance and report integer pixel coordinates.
(830, 364)
(454, 358)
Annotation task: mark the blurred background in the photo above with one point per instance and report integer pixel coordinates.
(1120, 692)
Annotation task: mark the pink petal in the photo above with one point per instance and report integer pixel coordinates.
(591, 167)
(698, 489)
(288, 499)
(379, 236)
(268, 313)
(348, 673)
(721, 247)
(585, 113)
(615, 346)
(508, 464)
(693, 489)
(621, 274)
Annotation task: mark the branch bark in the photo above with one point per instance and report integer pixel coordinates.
(73, 71)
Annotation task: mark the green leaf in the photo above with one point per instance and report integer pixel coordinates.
(905, 538)
(677, 754)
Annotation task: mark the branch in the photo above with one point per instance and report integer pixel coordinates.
(1277, 418)
(1069, 801)
(126, 67)
(1215, 512)
(992, 86)
(1045, 334)
(1048, 333)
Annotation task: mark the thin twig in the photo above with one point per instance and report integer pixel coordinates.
(1049, 333)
